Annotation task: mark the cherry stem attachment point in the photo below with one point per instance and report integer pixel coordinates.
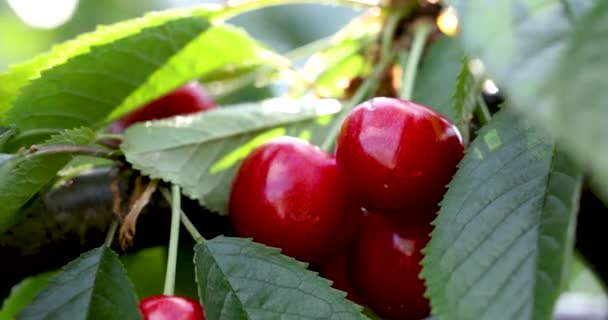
(410, 61)
(184, 219)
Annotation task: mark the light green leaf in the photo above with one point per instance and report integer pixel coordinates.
(202, 152)
(328, 71)
(468, 91)
(25, 174)
(94, 286)
(85, 89)
(554, 75)
(218, 50)
(19, 75)
(112, 79)
(22, 294)
(504, 235)
(240, 279)
(438, 75)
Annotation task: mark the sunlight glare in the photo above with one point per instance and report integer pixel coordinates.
(44, 14)
(447, 22)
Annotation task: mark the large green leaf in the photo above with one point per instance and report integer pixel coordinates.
(25, 174)
(239, 279)
(18, 75)
(547, 57)
(202, 152)
(438, 76)
(504, 234)
(114, 78)
(94, 286)
(222, 49)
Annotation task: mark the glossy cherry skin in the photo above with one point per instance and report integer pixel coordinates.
(170, 308)
(337, 269)
(385, 265)
(396, 155)
(287, 194)
(190, 98)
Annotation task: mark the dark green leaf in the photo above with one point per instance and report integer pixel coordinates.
(94, 286)
(19, 75)
(504, 234)
(438, 76)
(552, 74)
(25, 174)
(240, 279)
(202, 152)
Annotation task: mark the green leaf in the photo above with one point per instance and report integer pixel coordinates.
(19, 75)
(25, 174)
(504, 235)
(22, 294)
(94, 286)
(468, 91)
(222, 49)
(240, 279)
(552, 75)
(328, 71)
(202, 152)
(115, 78)
(438, 75)
(88, 87)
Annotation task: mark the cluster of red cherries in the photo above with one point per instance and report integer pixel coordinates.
(360, 217)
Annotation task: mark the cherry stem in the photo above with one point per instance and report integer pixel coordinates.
(173, 241)
(35, 151)
(482, 112)
(184, 219)
(111, 234)
(412, 59)
(109, 136)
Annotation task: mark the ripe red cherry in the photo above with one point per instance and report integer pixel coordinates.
(190, 98)
(397, 155)
(385, 266)
(170, 308)
(287, 194)
(337, 269)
